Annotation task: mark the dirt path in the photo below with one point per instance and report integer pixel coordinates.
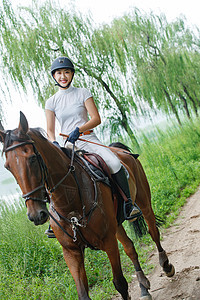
(182, 244)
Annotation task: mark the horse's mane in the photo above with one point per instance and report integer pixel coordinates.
(38, 132)
(14, 135)
(39, 135)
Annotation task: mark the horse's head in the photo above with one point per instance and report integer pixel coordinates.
(27, 166)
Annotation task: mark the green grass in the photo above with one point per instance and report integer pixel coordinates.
(32, 266)
(172, 164)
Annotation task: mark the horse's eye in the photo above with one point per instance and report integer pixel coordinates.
(32, 159)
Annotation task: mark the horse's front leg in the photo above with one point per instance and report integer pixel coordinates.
(75, 262)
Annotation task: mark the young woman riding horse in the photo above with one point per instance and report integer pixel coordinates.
(71, 106)
(81, 208)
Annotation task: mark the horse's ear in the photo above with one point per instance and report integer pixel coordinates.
(1, 126)
(2, 136)
(2, 133)
(23, 123)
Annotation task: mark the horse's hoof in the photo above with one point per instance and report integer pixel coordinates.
(147, 297)
(172, 272)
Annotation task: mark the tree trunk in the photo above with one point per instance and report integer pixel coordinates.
(191, 99)
(185, 105)
(172, 107)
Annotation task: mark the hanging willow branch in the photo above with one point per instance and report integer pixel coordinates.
(132, 65)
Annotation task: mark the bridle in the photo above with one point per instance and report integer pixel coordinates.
(43, 170)
(44, 173)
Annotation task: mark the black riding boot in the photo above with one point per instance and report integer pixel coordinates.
(131, 212)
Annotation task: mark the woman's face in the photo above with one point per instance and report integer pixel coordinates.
(63, 77)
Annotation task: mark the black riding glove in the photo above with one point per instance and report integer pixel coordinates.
(74, 135)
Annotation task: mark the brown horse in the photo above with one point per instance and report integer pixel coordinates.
(81, 208)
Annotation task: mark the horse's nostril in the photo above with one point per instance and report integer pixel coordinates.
(43, 215)
(30, 217)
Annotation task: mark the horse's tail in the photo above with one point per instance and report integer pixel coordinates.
(139, 227)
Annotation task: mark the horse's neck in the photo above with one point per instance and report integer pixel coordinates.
(56, 161)
(70, 189)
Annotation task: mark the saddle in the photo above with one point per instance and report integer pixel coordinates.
(98, 162)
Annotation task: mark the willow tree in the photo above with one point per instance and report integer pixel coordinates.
(45, 32)
(127, 65)
(162, 53)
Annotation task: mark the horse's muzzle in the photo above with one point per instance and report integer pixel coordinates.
(39, 218)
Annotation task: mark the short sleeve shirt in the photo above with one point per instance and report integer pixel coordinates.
(69, 107)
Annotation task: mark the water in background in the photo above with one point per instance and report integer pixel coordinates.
(8, 186)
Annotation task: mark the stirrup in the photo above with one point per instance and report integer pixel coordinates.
(132, 216)
(49, 232)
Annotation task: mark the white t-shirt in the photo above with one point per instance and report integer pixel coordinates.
(69, 107)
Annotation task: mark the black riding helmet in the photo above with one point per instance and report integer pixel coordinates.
(61, 63)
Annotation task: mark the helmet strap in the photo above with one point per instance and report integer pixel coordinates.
(63, 87)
